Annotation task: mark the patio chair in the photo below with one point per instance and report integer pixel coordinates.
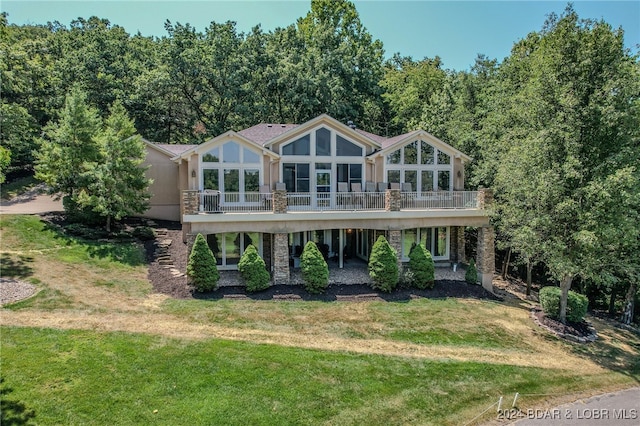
(394, 185)
(343, 193)
(408, 196)
(382, 186)
(357, 196)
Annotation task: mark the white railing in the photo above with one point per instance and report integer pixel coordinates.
(335, 201)
(238, 202)
(234, 202)
(439, 200)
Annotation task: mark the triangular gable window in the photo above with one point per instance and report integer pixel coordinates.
(344, 148)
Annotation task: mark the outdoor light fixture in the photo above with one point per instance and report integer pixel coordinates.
(193, 173)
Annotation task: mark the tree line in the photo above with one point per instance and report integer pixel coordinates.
(553, 128)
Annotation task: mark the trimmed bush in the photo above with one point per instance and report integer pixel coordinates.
(421, 264)
(577, 303)
(315, 270)
(144, 233)
(383, 266)
(201, 269)
(253, 270)
(471, 276)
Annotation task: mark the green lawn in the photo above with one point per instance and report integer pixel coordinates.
(417, 362)
(80, 377)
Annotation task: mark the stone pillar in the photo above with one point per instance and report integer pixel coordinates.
(458, 244)
(485, 198)
(190, 202)
(281, 259)
(392, 200)
(395, 241)
(279, 201)
(486, 262)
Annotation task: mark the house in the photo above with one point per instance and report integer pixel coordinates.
(277, 186)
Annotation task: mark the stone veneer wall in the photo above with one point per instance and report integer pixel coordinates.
(279, 201)
(395, 241)
(392, 200)
(486, 256)
(281, 259)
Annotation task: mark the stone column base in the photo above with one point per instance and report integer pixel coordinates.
(281, 274)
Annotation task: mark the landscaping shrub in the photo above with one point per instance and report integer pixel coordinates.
(315, 270)
(86, 232)
(253, 270)
(383, 266)
(407, 278)
(577, 304)
(201, 269)
(422, 267)
(471, 276)
(144, 233)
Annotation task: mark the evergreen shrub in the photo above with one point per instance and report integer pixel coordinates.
(315, 270)
(471, 276)
(383, 266)
(577, 304)
(253, 270)
(201, 269)
(422, 266)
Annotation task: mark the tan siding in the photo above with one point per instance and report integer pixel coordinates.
(165, 197)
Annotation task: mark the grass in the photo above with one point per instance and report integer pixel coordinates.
(81, 377)
(95, 346)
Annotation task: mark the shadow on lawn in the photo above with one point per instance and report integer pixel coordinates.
(616, 349)
(351, 292)
(13, 412)
(16, 268)
(99, 244)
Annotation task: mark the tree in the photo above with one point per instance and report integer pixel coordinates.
(201, 269)
(70, 149)
(383, 266)
(5, 160)
(471, 274)
(421, 264)
(253, 270)
(118, 186)
(568, 108)
(315, 270)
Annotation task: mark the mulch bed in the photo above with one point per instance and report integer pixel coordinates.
(581, 332)
(164, 282)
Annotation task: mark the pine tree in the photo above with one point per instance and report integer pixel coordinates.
(201, 269)
(315, 270)
(118, 185)
(422, 267)
(70, 149)
(471, 275)
(253, 270)
(383, 266)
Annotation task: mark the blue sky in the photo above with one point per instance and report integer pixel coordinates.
(454, 30)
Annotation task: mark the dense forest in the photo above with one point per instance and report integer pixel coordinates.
(554, 128)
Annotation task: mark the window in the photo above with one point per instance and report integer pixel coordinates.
(231, 180)
(227, 248)
(444, 180)
(411, 176)
(251, 180)
(298, 147)
(411, 153)
(296, 177)
(213, 156)
(436, 240)
(344, 148)
(231, 152)
(323, 142)
(250, 156)
(427, 180)
(393, 176)
(394, 157)
(351, 173)
(443, 158)
(409, 238)
(426, 153)
(210, 179)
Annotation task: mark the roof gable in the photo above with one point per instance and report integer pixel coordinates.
(225, 137)
(397, 142)
(328, 122)
(264, 132)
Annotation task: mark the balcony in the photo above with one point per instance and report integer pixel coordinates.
(215, 202)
